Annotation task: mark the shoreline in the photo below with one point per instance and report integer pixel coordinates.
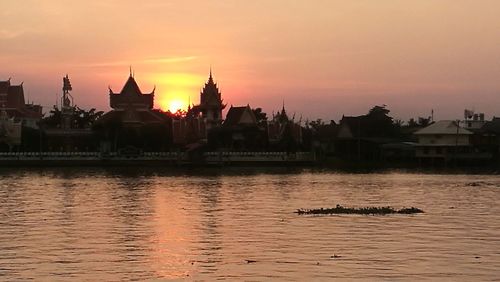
(307, 160)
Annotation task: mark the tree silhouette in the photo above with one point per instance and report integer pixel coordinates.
(80, 118)
(260, 116)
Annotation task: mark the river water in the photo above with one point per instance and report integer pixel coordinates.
(239, 224)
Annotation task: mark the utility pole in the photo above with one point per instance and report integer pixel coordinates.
(456, 142)
(40, 129)
(359, 138)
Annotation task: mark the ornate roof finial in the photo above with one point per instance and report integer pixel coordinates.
(66, 84)
(210, 77)
(131, 74)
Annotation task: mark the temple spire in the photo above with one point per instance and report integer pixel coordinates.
(210, 77)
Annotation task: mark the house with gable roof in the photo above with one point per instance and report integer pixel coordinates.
(239, 132)
(446, 140)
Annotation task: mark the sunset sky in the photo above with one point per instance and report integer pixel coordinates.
(324, 58)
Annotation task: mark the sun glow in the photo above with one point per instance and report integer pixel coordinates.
(174, 105)
(175, 90)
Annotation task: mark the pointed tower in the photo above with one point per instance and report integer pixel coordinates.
(211, 103)
(282, 117)
(67, 107)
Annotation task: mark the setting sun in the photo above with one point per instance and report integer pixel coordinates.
(174, 105)
(175, 90)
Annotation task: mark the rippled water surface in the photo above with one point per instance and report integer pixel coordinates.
(239, 224)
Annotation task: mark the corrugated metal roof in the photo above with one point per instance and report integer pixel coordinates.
(444, 127)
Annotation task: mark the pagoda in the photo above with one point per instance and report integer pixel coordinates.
(284, 133)
(211, 103)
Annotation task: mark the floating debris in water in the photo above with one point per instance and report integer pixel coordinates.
(478, 183)
(366, 210)
(250, 261)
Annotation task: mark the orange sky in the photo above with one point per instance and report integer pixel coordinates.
(325, 58)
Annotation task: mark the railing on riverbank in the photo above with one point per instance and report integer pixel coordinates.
(257, 157)
(209, 158)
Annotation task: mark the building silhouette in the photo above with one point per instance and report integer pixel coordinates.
(12, 101)
(68, 128)
(211, 104)
(194, 127)
(132, 122)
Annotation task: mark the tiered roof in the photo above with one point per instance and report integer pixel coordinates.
(210, 95)
(131, 97)
(132, 117)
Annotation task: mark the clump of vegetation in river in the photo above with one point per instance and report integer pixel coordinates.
(365, 211)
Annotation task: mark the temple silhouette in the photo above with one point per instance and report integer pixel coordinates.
(133, 130)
